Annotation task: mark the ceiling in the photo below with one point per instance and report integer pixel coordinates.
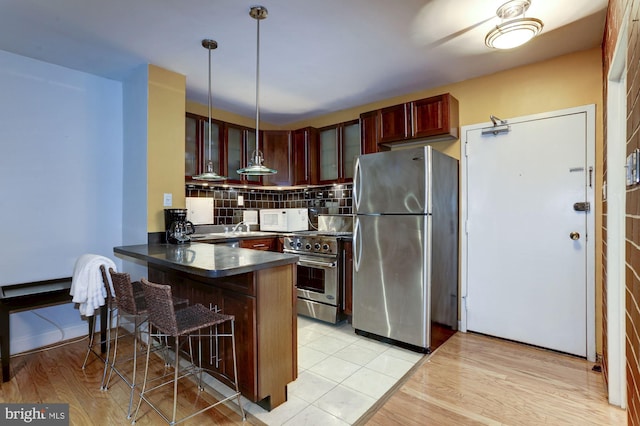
(316, 57)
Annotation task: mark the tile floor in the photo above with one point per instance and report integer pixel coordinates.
(341, 375)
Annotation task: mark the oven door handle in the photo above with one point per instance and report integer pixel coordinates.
(313, 263)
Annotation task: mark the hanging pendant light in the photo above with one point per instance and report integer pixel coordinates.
(209, 174)
(513, 31)
(255, 166)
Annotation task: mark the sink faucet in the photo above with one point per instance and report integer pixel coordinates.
(238, 225)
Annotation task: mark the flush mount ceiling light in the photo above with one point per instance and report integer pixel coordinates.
(255, 166)
(513, 31)
(209, 174)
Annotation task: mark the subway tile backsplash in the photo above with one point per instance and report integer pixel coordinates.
(332, 199)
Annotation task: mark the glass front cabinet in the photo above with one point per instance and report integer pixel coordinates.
(338, 147)
(197, 150)
(239, 142)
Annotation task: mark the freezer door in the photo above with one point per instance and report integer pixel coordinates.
(391, 280)
(393, 182)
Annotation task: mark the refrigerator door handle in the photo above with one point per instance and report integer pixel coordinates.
(357, 189)
(357, 244)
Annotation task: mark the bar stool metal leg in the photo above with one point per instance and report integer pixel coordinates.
(92, 322)
(235, 367)
(131, 383)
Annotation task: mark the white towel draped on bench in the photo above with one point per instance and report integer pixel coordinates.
(87, 286)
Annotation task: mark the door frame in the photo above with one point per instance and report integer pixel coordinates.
(590, 111)
(614, 193)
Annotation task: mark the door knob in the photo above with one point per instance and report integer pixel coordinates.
(574, 235)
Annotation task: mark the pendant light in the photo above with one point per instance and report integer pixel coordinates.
(513, 32)
(255, 166)
(209, 174)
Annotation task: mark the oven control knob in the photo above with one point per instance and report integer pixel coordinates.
(298, 244)
(325, 247)
(316, 246)
(307, 246)
(292, 244)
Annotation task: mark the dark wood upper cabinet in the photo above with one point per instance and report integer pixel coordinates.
(277, 150)
(369, 136)
(435, 116)
(395, 123)
(311, 156)
(305, 156)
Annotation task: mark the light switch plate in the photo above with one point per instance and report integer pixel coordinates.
(167, 200)
(240, 200)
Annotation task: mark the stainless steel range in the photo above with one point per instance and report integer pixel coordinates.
(319, 283)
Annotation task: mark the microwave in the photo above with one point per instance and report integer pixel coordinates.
(284, 220)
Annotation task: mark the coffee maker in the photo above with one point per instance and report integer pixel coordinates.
(177, 227)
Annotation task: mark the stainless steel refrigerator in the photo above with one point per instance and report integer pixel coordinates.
(405, 247)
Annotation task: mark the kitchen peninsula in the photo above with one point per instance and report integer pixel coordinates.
(257, 287)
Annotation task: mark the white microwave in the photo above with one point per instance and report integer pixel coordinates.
(284, 220)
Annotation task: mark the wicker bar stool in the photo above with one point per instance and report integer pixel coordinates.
(184, 323)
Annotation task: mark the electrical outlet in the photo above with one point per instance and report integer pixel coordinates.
(240, 200)
(167, 200)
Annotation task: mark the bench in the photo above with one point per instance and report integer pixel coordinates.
(39, 294)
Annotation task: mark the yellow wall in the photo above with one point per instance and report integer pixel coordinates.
(165, 145)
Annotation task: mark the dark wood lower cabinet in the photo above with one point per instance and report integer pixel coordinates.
(267, 244)
(263, 303)
(347, 277)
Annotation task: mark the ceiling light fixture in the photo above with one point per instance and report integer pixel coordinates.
(514, 31)
(255, 165)
(209, 174)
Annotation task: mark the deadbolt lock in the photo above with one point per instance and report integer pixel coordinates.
(582, 206)
(574, 235)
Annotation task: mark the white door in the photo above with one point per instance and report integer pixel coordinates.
(528, 247)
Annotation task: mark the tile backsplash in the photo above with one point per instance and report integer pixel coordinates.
(332, 199)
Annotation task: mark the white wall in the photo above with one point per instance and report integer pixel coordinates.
(61, 180)
(134, 213)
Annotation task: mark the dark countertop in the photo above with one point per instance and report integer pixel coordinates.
(206, 260)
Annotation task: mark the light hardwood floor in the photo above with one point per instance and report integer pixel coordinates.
(55, 376)
(470, 380)
(479, 380)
